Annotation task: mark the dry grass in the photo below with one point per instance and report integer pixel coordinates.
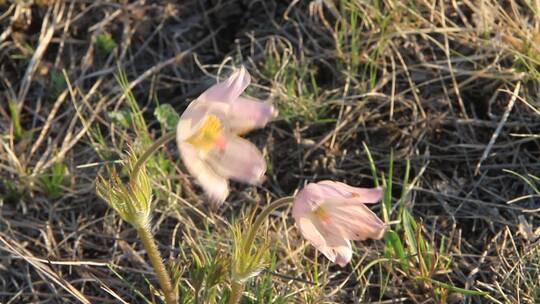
(450, 86)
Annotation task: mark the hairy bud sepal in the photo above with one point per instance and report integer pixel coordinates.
(131, 200)
(248, 260)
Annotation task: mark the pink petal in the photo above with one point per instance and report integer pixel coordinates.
(230, 89)
(307, 199)
(364, 195)
(310, 232)
(353, 220)
(337, 248)
(213, 184)
(333, 246)
(239, 160)
(247, 114)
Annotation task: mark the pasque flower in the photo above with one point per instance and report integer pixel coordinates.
(331, 214)
(208, 136)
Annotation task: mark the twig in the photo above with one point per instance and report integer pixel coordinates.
(495, 135)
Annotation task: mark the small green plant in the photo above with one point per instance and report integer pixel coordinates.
(167, 116)
(105, 43)
(58, 83)
(121, 117)
(296, 84)
(15, 119)
(350, 40)
(408, 253)
(26, 52)
(12, 191)
(54, 180)
(209, 268)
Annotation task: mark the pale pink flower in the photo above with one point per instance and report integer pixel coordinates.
(331, 214)
(207, 136)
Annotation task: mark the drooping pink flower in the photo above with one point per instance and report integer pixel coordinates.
(331, 214)
(207, 136)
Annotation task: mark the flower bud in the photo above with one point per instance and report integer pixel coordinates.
(132, 200)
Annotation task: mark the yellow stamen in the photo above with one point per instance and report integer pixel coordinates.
(321, 214)
(208, 135)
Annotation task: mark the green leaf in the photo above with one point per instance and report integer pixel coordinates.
(454, 288)
(526, 180)
(409, 226)
(136, 114)
(15, 119)
(58, 83)
(393, 239)
(167, 116)
(403, 197)
(371, 164)
(122, 117)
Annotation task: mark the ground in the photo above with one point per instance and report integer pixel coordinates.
(435, 100)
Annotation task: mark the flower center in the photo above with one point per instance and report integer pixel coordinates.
(321, 214)
(209, 136)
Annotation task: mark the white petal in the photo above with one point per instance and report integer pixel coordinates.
(213, 184)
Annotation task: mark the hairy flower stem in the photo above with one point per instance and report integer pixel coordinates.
(236, 292)
(262, 216)
(151, 150)
(149, 244)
